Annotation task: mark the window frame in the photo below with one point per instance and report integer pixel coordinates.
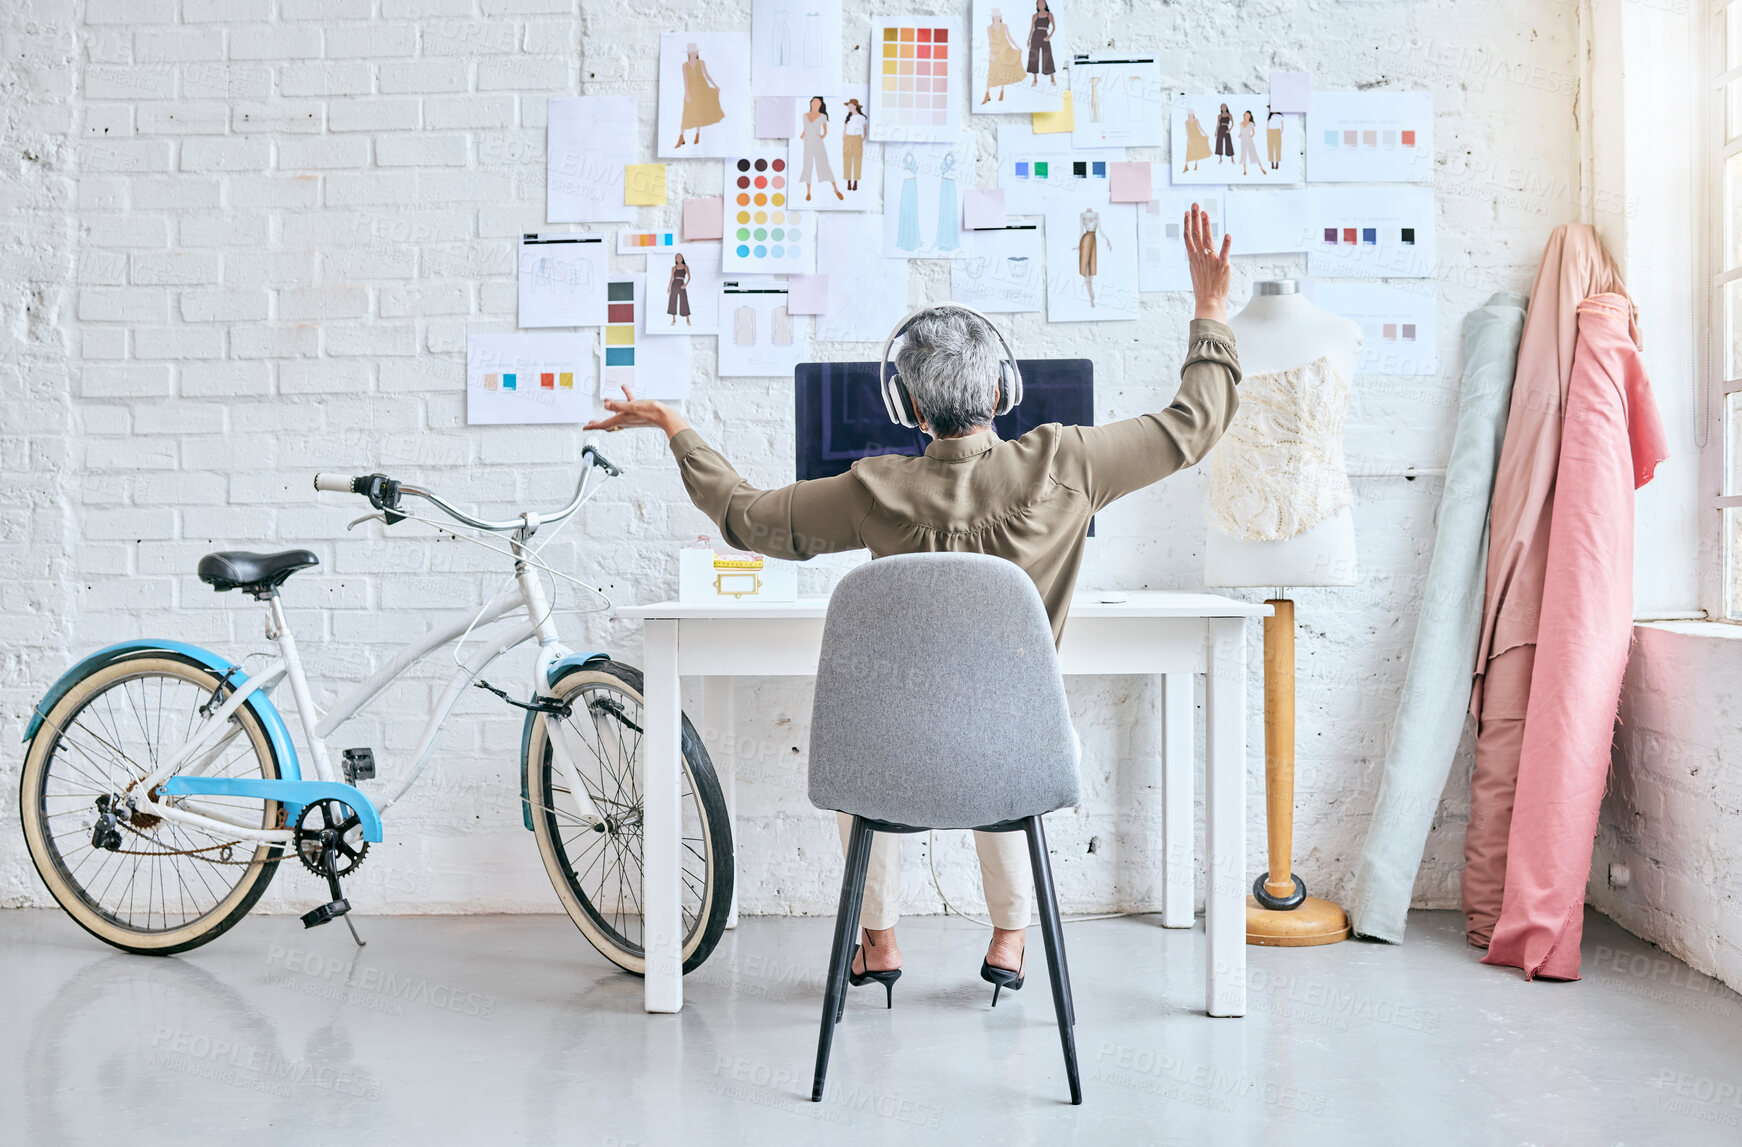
(1720, 257)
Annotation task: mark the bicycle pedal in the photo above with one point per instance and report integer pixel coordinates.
(359, 765)
(326, 913)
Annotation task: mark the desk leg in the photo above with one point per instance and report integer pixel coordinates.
(719, 719)
(1176, 792)
(662, 924)
(1225, 781)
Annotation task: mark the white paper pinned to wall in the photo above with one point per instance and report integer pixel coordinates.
(1035, 166)
(759, 336)
(1371, 137)
(1091, 260)
(588, 141)
(1397, 323)
(1022, 66)
(650, 367)
(1117, 102)
(922, 198)
(1384, 232)
(795, 46)
(1267, 222)
(1005, 271)
(1232, 137)
(832, 164)
(705, 104)
(1161, 236)
(530, 378)
(693, 292)
(561, 279)
(867, 290)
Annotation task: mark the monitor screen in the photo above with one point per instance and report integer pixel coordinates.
(839, 415)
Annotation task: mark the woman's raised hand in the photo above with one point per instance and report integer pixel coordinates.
(629, 412)
(1210, 270)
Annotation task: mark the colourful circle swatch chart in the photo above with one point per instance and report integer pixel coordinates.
(762, 231)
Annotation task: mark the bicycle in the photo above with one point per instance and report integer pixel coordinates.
(161, 787)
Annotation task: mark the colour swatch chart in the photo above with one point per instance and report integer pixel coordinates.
(1397, 323)
(588, 141)
(1266, 222)
(1371, 232)
(1117, 102)
(682, 303)
(652, 368)
(867, 290)
(914, 70)
(1032, 167)
(1232, 137)
(1161, 248)
(1005, 271)
(529, 378)
(641, 242)
(763, 235)
(758, 335)
(1371, 137)
(561, 279)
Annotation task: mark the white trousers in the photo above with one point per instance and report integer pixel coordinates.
(1005, 877)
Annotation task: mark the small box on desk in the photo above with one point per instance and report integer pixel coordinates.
(704, 575)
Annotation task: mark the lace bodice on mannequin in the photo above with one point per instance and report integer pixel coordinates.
(1278, 470)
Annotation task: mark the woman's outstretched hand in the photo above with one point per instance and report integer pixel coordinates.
(1210, 270)
(628, 412)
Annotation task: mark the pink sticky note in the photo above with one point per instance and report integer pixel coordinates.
(1130, 182)
(703, 218)
(983, 208)
(807, 294)
(1290, 92)
(776, 116)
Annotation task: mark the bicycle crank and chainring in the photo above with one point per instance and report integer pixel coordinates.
(329, 824)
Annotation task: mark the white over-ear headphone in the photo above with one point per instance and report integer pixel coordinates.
(899, 403)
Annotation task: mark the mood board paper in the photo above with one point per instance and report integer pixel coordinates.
(795, 46)
(1291, 92)
(682, 303)
(1161, 236)
(1020, 67)
(833, 166)
(867, 289)
(1053, 123)
(703, 218)
(1381, 232)
(561, 279)
(1266, 222)
(644, 185)
(1397, 323)
(1005, 271)
(1131, 182)
(774, 115)
(916, 71)
(529, 378)
(1033, 167)
(1232, 137)
(705, 103)
(1092, 260)
(763, 234)
(649, 367)
(983, 209)
(1371, 137)
(807, 294)
(589, 140)
(759, 336)
(641, 242)
(1118, 102)
(922, 199)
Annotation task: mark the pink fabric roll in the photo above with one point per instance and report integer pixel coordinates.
(1611, 443)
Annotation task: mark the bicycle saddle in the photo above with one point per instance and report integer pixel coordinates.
(259, 574)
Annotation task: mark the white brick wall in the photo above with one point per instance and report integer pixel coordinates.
(246, 239)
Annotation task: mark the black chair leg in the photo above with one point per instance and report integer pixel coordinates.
(846, 931)
(1054, 935)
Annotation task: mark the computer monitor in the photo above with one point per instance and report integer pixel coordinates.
(839, 414)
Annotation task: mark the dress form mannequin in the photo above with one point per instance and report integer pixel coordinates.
(1278, 332)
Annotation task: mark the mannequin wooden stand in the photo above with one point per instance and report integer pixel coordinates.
(1292, 919)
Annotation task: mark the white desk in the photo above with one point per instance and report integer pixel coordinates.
(1171, 634)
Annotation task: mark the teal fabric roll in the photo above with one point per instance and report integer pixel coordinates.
(1436, 689)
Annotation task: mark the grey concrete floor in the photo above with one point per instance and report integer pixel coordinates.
(510, 1029)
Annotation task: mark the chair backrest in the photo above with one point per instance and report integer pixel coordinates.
(938, 698)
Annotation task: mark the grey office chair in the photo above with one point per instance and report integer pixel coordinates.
(939, 705)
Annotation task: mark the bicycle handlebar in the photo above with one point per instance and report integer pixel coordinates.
(337, 483)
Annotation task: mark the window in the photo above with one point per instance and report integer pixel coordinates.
(1722, 469)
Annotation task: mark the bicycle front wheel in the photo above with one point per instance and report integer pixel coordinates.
(593, 855)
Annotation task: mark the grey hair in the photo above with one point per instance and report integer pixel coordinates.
(949, 363)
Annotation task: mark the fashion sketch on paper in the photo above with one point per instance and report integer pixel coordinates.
(744, 326)
(1224, 135)
(949, 217)
(816, 156)
(1040, 30)
(853, 144)
(1197, 142)
(1249, 145)
(782, 38)
(677, 291)
(1003, 58)
(780, 327)
(1273, 137)
(907, 224)
(1089, 250)
(701, 97)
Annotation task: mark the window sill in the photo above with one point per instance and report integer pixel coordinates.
(1715, 630)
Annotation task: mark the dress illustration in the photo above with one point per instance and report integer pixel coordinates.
(1273, 138)
(701, 98)
(744, 326)
(1040, 31)
(1094, 99)
(1248, 146)
(1224, 134)
(853, 145)
(1197, 142)
(1004, 60)
(1089, 250)
(907, 227)
(780, 327)
(816, 157)
(949, 225)
(813, 39)
(677, 292)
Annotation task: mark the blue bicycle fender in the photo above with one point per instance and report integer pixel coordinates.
(261, 704)
(558, 670)
(293, 795)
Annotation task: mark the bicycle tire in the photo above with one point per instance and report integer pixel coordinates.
(703, 801)
(44, 842)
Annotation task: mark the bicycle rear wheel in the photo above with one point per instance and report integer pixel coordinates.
(595, 862)
(148, 884)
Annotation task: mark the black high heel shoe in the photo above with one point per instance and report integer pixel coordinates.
(860, 979)
(1001, 978)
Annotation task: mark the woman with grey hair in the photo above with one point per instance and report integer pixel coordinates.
(1028, 500)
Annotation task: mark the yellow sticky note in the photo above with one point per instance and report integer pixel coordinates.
(644, 184)
(1048, 123)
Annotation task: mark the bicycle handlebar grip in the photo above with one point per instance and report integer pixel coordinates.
(337, 483)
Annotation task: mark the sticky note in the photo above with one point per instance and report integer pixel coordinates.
(644, 184)
(983, 208)
(1290, 92)
(703, 218)
(1049, 123)
(1131, 182)
(776, 116)
(807, 294)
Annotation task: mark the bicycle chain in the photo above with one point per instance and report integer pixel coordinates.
(222, 849)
